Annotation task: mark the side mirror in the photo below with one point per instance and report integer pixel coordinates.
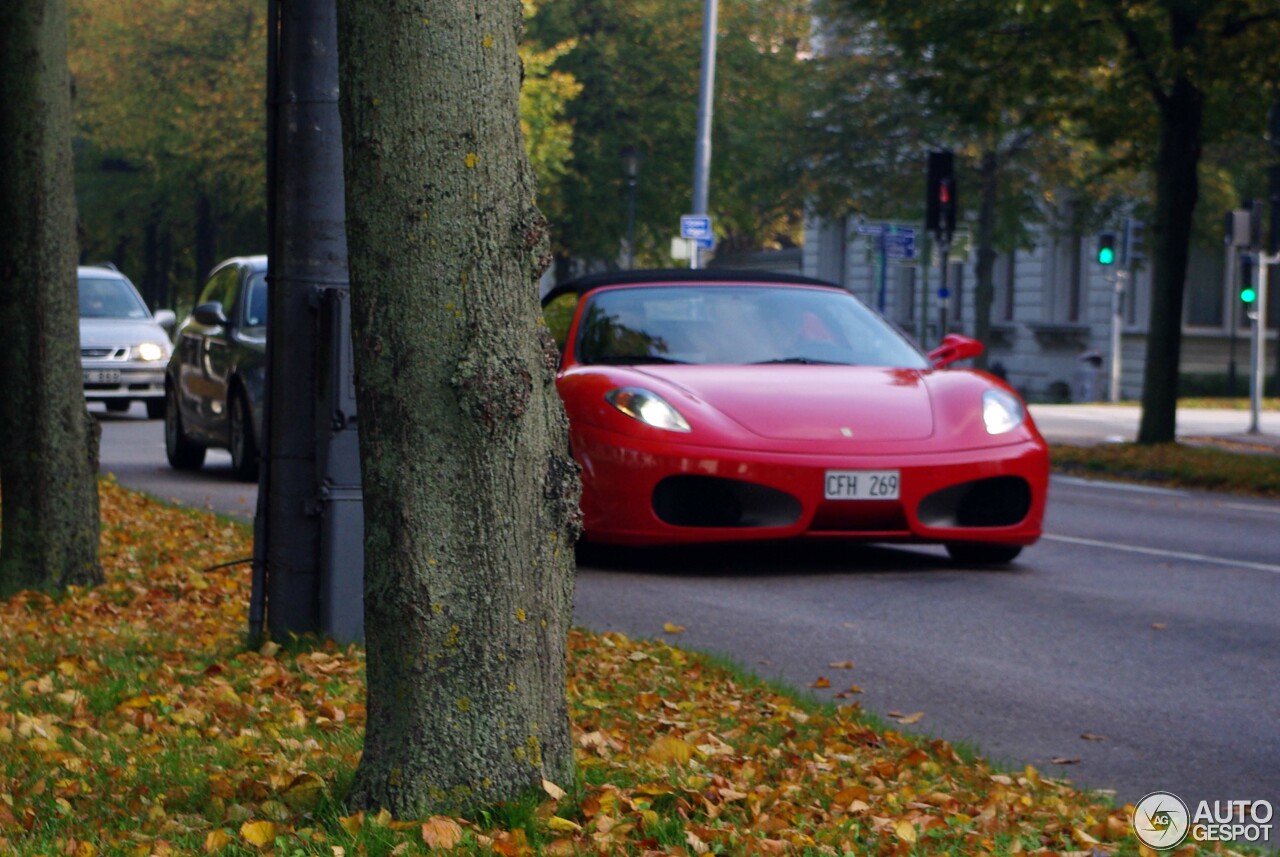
(954, 347)
(210, 314)
(167, 319)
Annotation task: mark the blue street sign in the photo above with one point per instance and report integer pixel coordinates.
(696, 226)
(943, 294)
(708, 243)
(900, 244)
(896, 242)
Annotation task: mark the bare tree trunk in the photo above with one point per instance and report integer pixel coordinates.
(470, 494)
(48, 441)
(1177, 191)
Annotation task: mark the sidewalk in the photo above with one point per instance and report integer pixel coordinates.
(1102, 423)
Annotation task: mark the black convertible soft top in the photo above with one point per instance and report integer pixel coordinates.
(582, 285)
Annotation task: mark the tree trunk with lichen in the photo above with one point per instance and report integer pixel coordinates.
(48, 440)
(470, 495)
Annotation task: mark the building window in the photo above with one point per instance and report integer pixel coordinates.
(1204, 303)
(1065, 275)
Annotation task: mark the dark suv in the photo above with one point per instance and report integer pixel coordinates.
(215, 380)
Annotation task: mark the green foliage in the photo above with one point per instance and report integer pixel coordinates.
(169, 111)
(638, 65)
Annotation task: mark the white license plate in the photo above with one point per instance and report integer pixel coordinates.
(862, 485)
(101, 376)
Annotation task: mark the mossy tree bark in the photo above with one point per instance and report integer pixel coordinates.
(470, 495)
(48, 440)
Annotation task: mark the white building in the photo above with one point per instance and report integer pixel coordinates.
(1051, 317)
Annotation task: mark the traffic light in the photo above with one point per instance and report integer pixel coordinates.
(940, 195)
(1106, 248)
(1135, 234)
(1248, 294)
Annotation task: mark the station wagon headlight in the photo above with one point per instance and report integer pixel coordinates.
(1001, 411)
(149, 351)
(647, 407)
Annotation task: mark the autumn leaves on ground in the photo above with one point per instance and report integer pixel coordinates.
(134, 721)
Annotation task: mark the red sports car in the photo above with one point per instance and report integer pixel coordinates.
(711, 406)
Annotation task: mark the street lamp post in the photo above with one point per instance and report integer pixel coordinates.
(631, 168)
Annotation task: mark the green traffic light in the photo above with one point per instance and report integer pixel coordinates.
(1248, 295)
(1106, 256)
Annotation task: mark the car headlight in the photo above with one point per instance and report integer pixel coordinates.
(1001, 411)
(647, 407)
(149, 351)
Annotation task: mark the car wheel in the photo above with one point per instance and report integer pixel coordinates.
(155, 409)
(971, 553)
(244, 448)
(117, 406)
(183, 453)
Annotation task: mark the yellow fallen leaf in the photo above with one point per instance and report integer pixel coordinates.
(441, 832)
(304, 792)
(216, 840)
(269, 649)
(906, 832)
(822, 681)
(670, 749)
(906, 718)
(671, 628)
(841, 665)
(352, 823)
(1083, 837)
(552, 789)
(563, 825)
(259, 833)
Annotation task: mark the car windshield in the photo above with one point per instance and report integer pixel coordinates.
(107, 297)
(738, 325)
(255, 305)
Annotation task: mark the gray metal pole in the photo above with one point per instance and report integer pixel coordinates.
(1258, 345)
(631, 222)
(1117, 324)
(944, 292)
(706, 91)
(308, 255)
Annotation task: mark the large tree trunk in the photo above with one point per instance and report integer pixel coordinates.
(48, 441)
(1177, 191)
(470, 495)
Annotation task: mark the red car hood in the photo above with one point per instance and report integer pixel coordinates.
(811, 403)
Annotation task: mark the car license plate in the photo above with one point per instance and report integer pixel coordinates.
(862, 485)
(102, 376)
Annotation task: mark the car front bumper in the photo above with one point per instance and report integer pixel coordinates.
(103, 380)
(669, 493)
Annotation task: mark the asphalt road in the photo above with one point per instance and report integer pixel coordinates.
(1147, 620)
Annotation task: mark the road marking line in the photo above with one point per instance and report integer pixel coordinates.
(1119, 486)
(1248, 507)
(1195, 557)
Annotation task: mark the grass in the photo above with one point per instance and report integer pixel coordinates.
(1175, 464)
(134, 721)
